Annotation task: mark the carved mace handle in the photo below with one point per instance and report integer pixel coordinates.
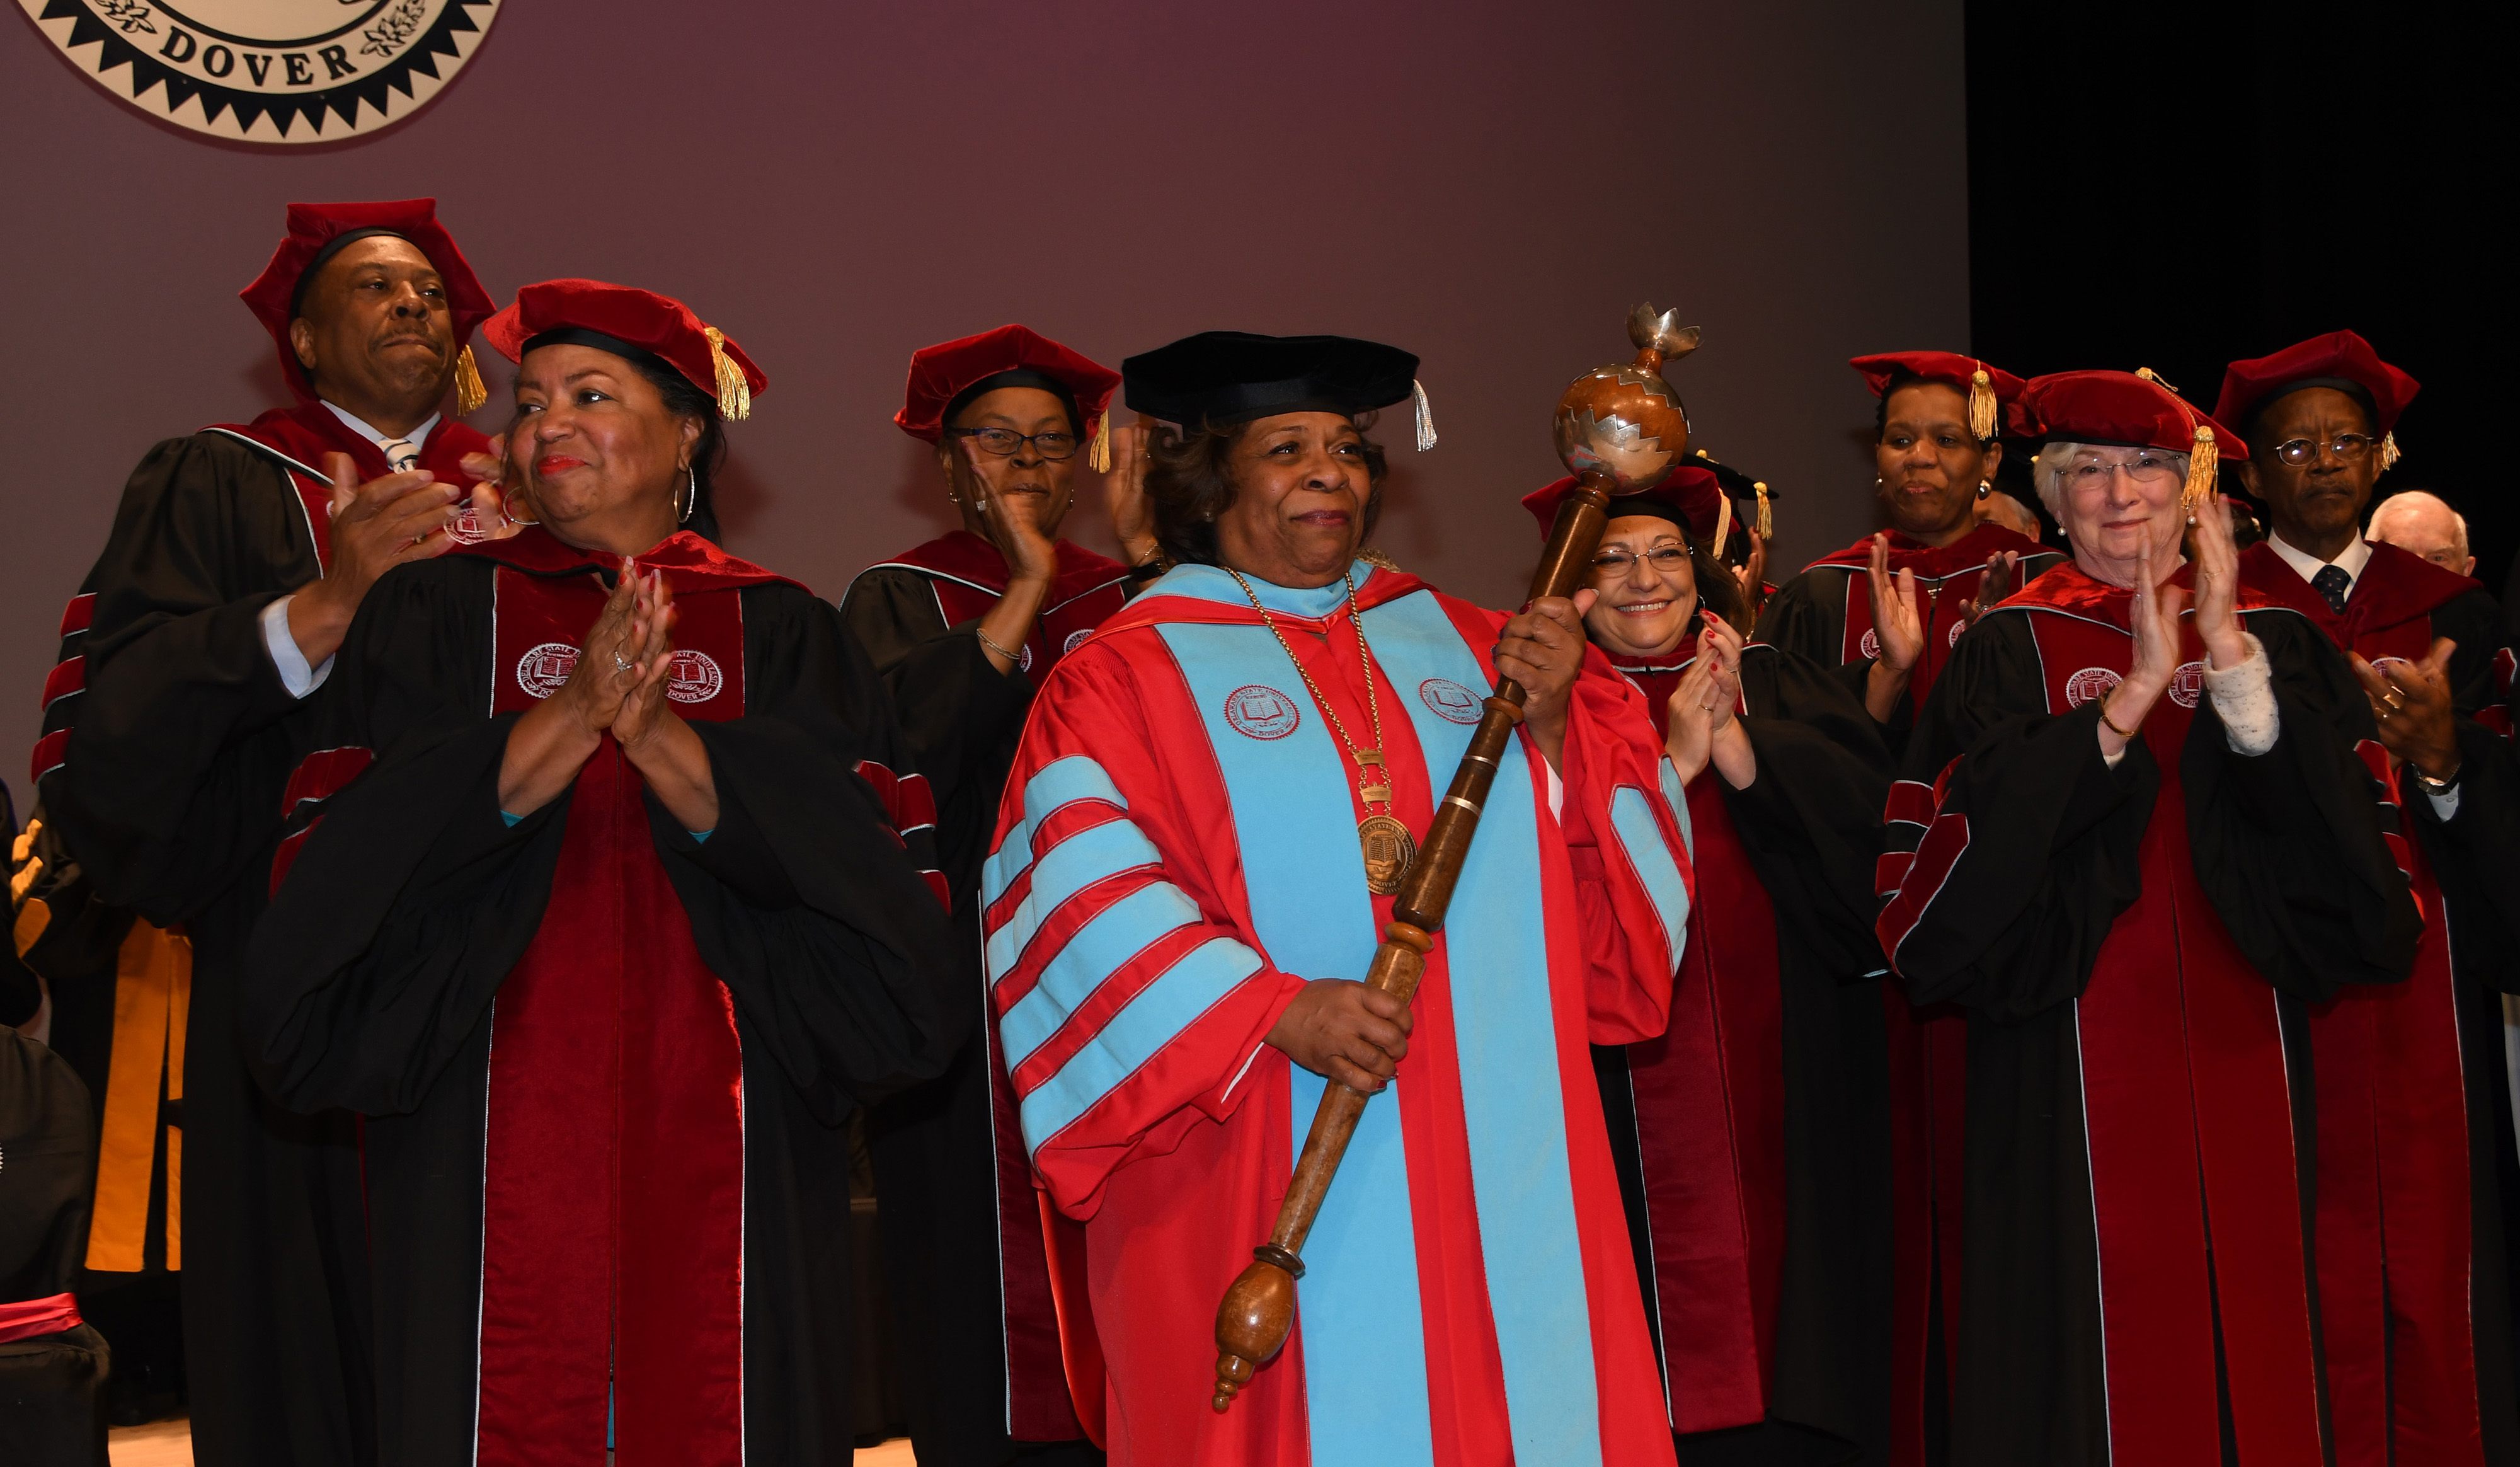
(1258, 1311)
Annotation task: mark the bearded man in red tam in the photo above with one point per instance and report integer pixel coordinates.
(238, 557)
(2412, 1262)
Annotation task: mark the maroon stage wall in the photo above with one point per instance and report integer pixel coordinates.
(1488, 185)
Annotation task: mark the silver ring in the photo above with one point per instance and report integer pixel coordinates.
(619, 666)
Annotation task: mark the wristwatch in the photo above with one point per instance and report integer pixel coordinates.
(2434, 786)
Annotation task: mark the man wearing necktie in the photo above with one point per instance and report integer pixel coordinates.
(2412, 1114)
(238, 557)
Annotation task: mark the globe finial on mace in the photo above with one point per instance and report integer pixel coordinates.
(1619, 428)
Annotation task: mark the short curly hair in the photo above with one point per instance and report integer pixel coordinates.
(1190, 481)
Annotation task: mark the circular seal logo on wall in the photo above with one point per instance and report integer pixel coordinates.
(1450, 702)
(2087, 684)
(1075, 639)
(542, 671)
(1260, 712)
(694, 678)
(2187, 684)
(1870, 646)
(269, 71)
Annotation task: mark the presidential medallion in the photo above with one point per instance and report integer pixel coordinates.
(1389, 850)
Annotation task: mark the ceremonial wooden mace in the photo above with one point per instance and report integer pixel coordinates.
(1619, 428)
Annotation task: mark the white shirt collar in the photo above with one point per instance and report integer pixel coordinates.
(418, 438)
(2351, 560)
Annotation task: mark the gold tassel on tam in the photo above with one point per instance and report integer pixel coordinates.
(1098, 457)
(1981, 404)
(2389, 454)
(1425, 416)
(2201, 461)
(470, 393)
(2155, 378)
(1723, 525)
(1767, 515)
(734, 394)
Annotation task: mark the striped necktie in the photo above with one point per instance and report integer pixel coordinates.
(399, 454)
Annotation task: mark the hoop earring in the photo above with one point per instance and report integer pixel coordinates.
(691, 501)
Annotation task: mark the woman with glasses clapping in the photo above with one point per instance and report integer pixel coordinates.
(2134, 840)
(963, 628)
(1765, 1211)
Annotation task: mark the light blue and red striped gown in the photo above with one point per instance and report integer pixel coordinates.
(1176, 856)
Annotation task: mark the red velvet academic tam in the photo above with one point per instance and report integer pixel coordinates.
(941, 372)
(2121, 408)
(317, 230)
(2340, 359)
(1688, 495)
(633, 322)
(1989, 390)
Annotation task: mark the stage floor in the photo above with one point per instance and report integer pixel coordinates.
(169, 1444)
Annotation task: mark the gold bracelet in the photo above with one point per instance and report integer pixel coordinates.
(2127, 734)
(1011, 657)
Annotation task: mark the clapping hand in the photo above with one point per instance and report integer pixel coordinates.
(2411, 703)
(1899, 626)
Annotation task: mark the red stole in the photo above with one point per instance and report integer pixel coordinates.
(2394, 1227)
(1724, 1054)
(968, 576)
(1929, 1046)
(2185, 1105)
(614, 1174)
(304, 434)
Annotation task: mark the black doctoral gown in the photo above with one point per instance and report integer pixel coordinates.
(2136, 979)
(1780, 935)
(592, 1013)
(961, 1220)
(168, 739)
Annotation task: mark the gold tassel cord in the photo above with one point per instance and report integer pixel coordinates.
(2389, 454)
(1767, 515)
(734, 391)
(470, 393)
(2156, 378)
(1425, 414)
(1099, 456)
(1981, 404)
(1723, 525)
(2201, 463)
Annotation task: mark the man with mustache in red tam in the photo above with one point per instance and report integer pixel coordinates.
(238, 557)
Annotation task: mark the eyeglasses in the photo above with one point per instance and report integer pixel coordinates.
(2348, 446)
(1617, 564)
(1003, 442)
(2149, 468)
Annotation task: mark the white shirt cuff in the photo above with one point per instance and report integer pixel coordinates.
(295, 676)
(2245, 696)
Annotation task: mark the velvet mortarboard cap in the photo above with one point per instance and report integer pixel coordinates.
(630, 323)
(942, 376)
(319, 231)
(1228, 377)
(2340, 359)
(1988, 389)
(2132, 409)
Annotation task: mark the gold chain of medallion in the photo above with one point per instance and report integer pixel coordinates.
(1387, 846)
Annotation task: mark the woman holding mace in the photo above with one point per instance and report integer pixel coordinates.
(1213, 803)
(2134, 840)
(1780, 1349)
(604, 906)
